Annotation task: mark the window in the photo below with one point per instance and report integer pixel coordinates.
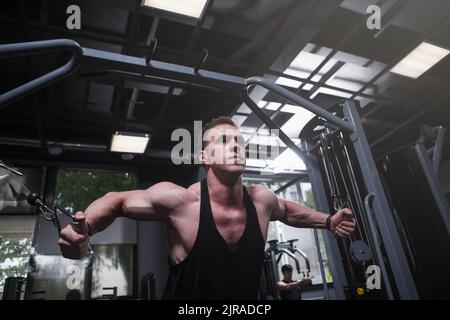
(301, 193)
(52, 277)
(76, 189)
(16, 233)
(16, 221)
(113, 273)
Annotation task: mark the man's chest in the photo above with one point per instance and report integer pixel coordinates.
(232, 222)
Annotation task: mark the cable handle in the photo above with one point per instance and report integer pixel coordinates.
(35, 199)
(75, 224)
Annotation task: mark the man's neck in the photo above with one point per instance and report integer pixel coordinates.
(225, 190)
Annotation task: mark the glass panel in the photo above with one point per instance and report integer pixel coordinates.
(16, 235)
(309, 202)
(56, 278)
(301, 193)
(77, 189)
(326, 262)
(307, 195)
(112, 272)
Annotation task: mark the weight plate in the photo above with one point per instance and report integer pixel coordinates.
(360, 252)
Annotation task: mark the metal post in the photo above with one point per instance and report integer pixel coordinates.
(433, 182)
(438, 147)
(331, 245)
(382, 211)
(322, 269)
(276, 279)
(368, 206)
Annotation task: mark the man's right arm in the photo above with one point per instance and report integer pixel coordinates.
(155, 203)
(287, 286)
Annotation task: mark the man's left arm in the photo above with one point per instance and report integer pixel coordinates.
(294, 214)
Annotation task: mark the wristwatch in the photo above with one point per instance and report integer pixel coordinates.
(328, 223)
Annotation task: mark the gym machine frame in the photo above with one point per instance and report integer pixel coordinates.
(431, 167)
(152, 70)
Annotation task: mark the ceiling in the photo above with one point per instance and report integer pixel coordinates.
(326, 42)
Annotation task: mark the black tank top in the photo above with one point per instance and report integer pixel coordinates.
(214, 269)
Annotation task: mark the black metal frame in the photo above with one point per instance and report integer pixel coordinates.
(36, 47)
(430, 168)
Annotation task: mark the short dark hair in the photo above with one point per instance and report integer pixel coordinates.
(286, 267)
(214, 123)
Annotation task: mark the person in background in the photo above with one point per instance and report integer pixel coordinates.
(288, 288)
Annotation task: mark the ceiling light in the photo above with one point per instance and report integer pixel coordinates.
(331, 92)
(129, 142)
(191, 8)
(288, 82)
(420, 60)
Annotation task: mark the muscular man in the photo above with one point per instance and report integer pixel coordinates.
(216, 228)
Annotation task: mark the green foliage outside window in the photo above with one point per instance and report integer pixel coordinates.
(76, 189)
(14, 255)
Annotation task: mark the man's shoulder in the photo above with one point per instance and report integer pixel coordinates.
(259, 189)
(194, 189)
(174, 190)
(260, 192)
